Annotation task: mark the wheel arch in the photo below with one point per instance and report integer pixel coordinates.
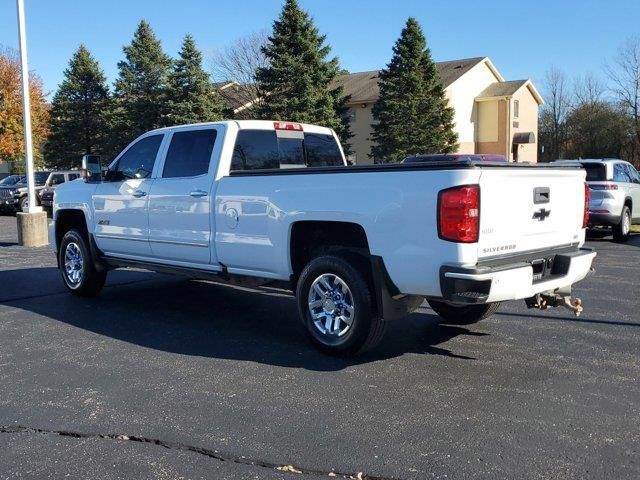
(65, 220)
(310, 238)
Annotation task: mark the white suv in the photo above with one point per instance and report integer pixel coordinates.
(615, 194)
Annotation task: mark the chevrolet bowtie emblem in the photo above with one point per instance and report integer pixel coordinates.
(541, 214)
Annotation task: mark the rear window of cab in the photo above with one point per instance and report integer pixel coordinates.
(264, 149)
(596, 172)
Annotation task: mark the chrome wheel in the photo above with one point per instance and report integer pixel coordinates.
(73, 264)
(626, 223)
(331, 305)
(25, 205)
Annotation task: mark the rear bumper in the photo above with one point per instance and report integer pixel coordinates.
(512, 281)
(603, 219)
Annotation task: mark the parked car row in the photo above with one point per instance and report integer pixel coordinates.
(14, 193)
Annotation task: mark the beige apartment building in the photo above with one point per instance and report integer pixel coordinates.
(492, 115)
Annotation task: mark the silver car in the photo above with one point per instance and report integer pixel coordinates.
(615, 194)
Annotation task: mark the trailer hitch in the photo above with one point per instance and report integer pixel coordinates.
(542, 301)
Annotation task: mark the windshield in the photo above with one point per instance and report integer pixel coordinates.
(596, 172)
(11, 180)
(40, 178)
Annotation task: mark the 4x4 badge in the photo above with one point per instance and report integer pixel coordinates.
(541, 214)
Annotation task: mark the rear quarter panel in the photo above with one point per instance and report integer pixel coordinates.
(397, 210)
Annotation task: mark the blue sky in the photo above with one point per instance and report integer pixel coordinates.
(522, 38)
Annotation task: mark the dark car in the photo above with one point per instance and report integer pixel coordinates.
(8, 188)
(455, 157)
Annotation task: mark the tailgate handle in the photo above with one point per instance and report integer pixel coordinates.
(541, 195)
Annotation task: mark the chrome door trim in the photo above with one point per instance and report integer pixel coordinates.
(175, 242)
(120, 237)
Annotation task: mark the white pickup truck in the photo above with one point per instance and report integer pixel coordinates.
(266, 202)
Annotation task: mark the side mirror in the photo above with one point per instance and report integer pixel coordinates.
(91, 168)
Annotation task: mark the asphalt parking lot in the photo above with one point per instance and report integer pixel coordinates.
(161, 377)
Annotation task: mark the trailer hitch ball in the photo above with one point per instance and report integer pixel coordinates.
(542, 301)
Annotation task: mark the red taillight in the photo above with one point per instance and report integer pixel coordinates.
(296, 127)
(459, 214)
(587, 197)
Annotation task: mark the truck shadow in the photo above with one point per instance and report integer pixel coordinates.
(197, 318)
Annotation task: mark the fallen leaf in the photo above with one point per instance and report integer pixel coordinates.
(288, 468)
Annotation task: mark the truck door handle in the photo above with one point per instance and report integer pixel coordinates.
(198, 193)
(139, 193)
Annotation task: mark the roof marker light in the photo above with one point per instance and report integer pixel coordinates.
(296, 127)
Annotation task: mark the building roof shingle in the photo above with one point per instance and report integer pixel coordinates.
(363, 86)
(502, 89)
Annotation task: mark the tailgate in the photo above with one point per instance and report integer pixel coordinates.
(527, 209)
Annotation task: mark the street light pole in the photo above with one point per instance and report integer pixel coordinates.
(32, 224)
(26, 104)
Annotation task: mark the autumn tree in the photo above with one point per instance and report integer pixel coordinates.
(11, 119)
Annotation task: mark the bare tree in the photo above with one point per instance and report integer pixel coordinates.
(588, 90)
(234, 68)
(624, 73)
(554, 113)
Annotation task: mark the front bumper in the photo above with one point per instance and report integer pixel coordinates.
(513, 281)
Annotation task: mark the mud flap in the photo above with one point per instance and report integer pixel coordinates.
(390, 303)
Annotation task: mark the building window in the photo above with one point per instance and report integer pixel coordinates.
(516, 109)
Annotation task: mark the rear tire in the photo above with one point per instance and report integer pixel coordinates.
(335, 304)
(463, 314)
(621, 230)
(77, 266)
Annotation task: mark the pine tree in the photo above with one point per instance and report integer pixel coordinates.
(298, 80)
(78, 112)
(192, 96)
(141, 87)
(412, 114)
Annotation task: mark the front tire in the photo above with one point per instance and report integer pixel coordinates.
(79, 273)
(621, 230)
(23, 204)
(335, 304)
(463, 314)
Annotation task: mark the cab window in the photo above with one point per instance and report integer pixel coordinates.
(255, 150)
(263, 149)
(189, 153)
(633, 174)
(138, 160)
(291, 152)
(620, 173)
(56, 179)
(322, 150)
